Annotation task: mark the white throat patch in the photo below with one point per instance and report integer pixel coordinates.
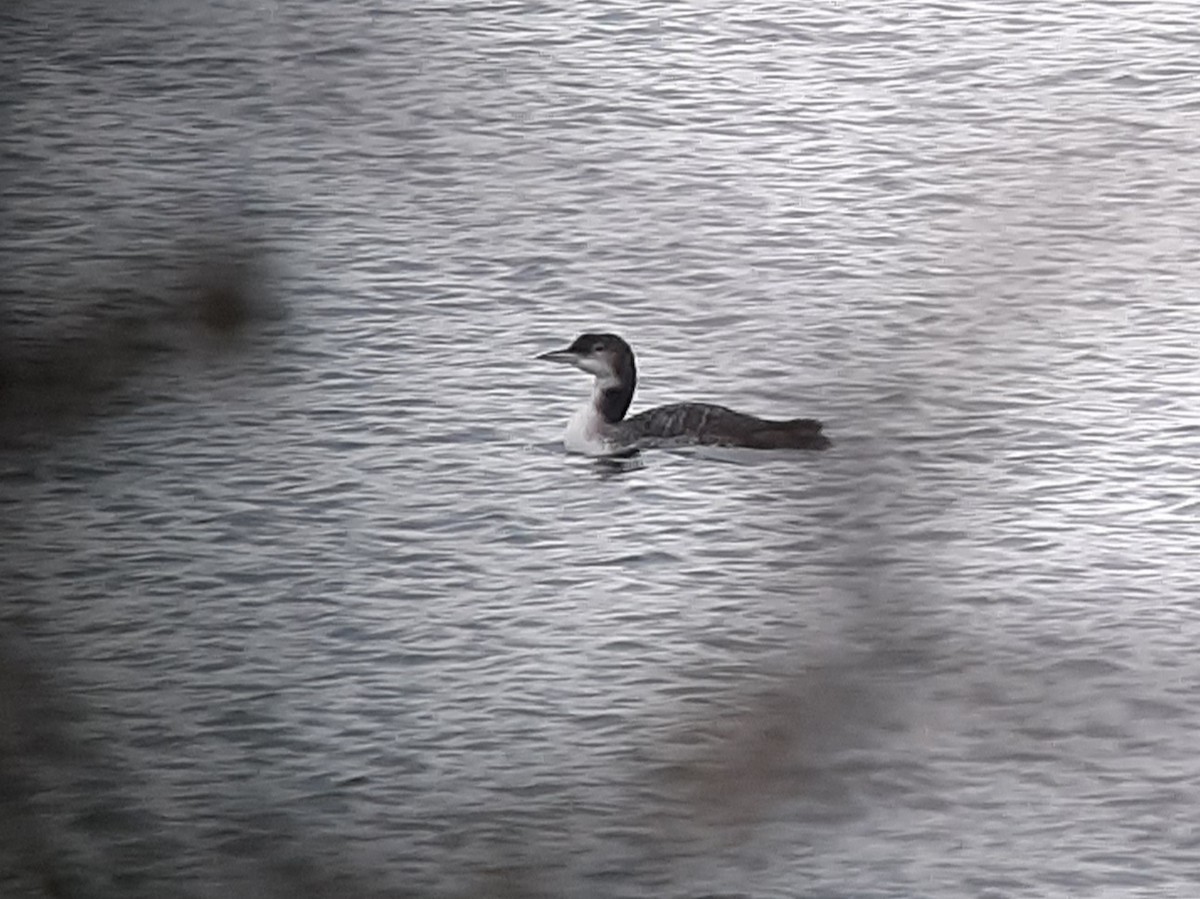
(585, 430)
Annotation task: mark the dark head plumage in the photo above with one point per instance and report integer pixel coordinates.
(610, 359)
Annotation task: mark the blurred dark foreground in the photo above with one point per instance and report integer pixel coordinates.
(76, 821)
(59, 374)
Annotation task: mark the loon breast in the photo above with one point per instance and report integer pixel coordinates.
(586, 432)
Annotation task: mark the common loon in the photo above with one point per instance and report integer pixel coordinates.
(601, 429)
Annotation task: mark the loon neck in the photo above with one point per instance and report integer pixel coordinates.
(612, 396)
(613, 391)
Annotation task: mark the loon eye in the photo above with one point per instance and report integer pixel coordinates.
(597, 348)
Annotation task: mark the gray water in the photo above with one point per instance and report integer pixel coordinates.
(330, 609)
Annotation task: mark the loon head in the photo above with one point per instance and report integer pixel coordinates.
(610, 360)
(606, 356)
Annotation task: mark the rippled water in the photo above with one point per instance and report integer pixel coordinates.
(336, 595)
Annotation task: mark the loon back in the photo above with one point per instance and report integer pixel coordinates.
(600, 428)
(707, 424)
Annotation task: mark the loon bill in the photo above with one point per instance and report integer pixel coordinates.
(600, 428)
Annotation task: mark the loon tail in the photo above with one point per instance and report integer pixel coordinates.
(796, 433)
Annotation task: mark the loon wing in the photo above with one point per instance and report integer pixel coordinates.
(710, 425)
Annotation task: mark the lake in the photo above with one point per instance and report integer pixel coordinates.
(319, 606)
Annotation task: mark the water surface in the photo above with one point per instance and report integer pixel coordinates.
(331, 599)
